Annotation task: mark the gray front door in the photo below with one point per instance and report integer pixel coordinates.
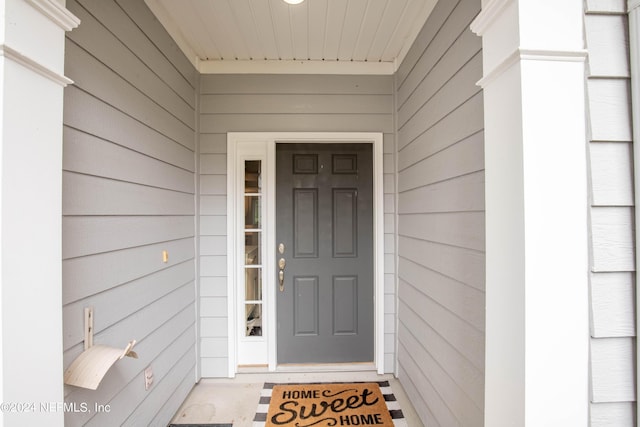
(324, 221)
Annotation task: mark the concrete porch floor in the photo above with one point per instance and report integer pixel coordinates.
(235, 400)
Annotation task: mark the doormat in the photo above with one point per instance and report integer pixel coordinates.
(328, 404)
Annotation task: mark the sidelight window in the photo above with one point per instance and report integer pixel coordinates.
(253, 237)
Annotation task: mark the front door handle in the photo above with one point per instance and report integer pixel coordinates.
(281, 264)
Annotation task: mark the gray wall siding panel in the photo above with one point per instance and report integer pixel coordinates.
(453, 40)
(90, 155)
(163, 46)
(611, 173)
(606, 6)
(94, 234)
(611, 361)
(441, 231)
(456, 126)
(274, 122)
(302, 84)
(262, 103)
(113, 89)
(443, 197)
(133, 296)
(463, 158)
(613, 415)
(92, 195)
(123, 57)
(128, 195)
(425, 38)
(106, 122)
(454, 92)
(606, 36)
(613, 305)
(612, 257)
(295, 104)
(612, 239)
(610, 115)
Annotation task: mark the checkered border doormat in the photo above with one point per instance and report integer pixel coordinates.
(395, 411)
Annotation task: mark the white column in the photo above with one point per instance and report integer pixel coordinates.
(537, 321)
(31, 95)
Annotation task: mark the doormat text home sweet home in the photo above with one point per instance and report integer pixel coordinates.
(327, 404)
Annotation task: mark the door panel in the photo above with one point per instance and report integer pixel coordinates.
(345, 305)
(305, 314)
(345, 222)
(305, 222)
(324, 218)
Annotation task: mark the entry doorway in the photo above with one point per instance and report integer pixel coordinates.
(335, 313)
(324, 234)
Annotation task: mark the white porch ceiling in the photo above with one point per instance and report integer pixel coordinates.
(314, 37)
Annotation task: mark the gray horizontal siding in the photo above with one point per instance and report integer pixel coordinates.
(441, 266)
(613, 308)
(259, 84)
(300, 103)
(128, 195)
(294, 104)
(274, 122)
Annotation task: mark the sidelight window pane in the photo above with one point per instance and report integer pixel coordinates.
(252, 176)
(252, 214)
(252, 245)
(253, 284)
(253, 314)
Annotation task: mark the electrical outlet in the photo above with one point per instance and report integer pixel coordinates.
(148, 378)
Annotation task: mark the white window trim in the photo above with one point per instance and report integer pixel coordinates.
(268, 140)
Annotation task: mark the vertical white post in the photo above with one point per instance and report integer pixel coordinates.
(634, 54)
(31, 100)
(537, 321)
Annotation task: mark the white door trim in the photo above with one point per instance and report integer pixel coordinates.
(268, 141)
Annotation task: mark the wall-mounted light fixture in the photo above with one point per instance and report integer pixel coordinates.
(293, 1)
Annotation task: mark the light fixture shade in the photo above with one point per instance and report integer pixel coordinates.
(293, 1)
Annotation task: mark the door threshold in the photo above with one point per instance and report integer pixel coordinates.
(326, 367)
(310, 368)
